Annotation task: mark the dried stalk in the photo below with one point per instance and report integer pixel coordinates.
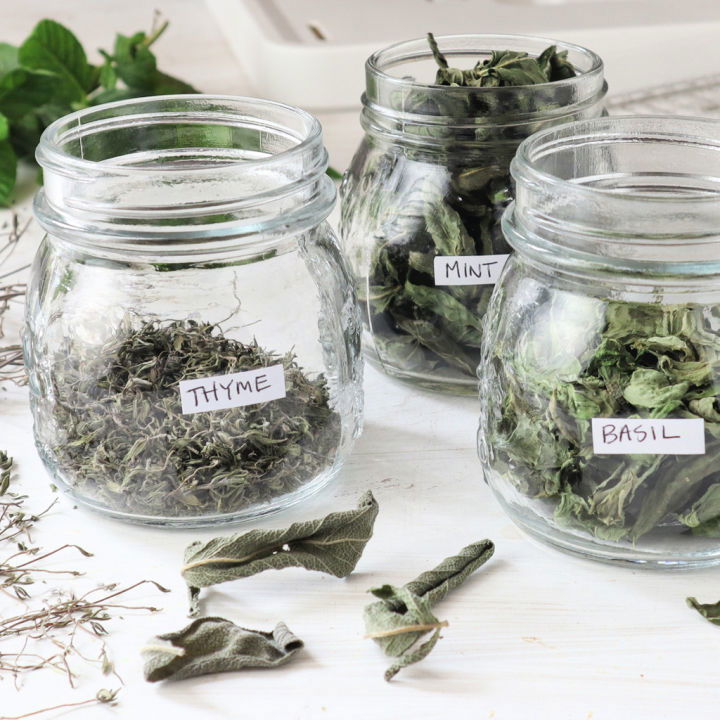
(11, 357)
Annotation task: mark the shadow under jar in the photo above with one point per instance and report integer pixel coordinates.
(423, 197)
(600, 380)
(192, 332)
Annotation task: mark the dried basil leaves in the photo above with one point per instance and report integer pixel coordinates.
(122, 439)
(629, 360)
(445, 199)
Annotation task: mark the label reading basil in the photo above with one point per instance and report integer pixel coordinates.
(468, 269)
(234, 390)
(620, 436)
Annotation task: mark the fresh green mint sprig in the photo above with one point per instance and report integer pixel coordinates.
(49, 75)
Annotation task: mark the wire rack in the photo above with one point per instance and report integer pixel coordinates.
(699, 97)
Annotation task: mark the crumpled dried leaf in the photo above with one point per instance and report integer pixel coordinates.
(214, 645)
(331, 545)
(403, 615)
(710, 611)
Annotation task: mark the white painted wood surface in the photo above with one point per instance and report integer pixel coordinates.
(534, 635)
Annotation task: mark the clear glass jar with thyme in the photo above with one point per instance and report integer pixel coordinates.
(193, 337)
(600, 380)
(422, 200)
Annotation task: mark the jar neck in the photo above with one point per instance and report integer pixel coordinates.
(633, 197)
(183, 175)
(402, 102)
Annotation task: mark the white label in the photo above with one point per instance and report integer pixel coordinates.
(468, 269)
(620, 436)
(234, 390)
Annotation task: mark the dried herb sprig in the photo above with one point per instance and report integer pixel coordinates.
(44, 634)
(11, 356)
(124, 441)
(103, 697)
(403, 615)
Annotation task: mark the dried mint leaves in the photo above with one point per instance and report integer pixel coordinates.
(444, 199)
(119, 436)
(331, 545)
(215, 645)
(626, 360)
(403, 615)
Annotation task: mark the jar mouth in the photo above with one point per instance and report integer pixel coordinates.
(473, 47)
(184, 167)
(393, 88)
(635, 192)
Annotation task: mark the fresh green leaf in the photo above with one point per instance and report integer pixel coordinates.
(8, 58)
(214, 645)
(8, 171)
(54, 48)
(331, 545)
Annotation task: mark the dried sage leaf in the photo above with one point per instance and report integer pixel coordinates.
(710, 611)
(331, 545)
(214, 645)
(403, 615)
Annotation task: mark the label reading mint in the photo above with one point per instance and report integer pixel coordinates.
(620, 436)
(468, 269)
(234, 390)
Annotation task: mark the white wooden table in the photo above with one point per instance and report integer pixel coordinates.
(534, 635)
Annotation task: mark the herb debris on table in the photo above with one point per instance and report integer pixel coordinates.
(403, 615)
(332, 545)
(214, 645)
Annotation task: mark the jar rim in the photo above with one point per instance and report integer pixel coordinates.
(418, 47)
(635, 194)
(616, 128)
(152, 172)
(48, 153)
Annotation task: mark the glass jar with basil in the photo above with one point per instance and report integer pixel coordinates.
(422, 199)
(600, 377)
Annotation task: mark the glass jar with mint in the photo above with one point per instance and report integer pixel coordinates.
(600, 378)
(423, 197)
(193, 336)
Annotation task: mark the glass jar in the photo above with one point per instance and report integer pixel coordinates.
(600, 378)
(427, 188)
(193, 338)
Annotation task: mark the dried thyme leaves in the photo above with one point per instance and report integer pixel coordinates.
(214, 645)
(332, 545)
(403, 615)
(123, 440)
(636, 360)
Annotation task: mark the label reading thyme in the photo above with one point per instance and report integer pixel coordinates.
(468, 269)
(233, 390)
(669, 436)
